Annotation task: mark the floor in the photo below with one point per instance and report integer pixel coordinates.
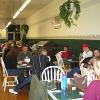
(23, 94)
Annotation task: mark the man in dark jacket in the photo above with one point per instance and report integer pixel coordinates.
(39, 62)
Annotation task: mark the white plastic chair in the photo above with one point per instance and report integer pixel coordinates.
(91, 76)
(8, 80)
(52, 73)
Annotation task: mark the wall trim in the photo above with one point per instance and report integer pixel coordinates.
(86, 37)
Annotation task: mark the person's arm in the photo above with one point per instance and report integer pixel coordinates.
(96, 69)
(19, 60)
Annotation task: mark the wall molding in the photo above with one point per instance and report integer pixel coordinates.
(85, 37)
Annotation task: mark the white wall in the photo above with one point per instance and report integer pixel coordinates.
(2, 34)
(87, 25)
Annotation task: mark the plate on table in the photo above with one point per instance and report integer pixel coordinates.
(24, 64)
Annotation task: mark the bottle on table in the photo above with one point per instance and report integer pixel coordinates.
(64, 82)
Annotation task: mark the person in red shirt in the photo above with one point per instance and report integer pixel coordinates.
(66, 54)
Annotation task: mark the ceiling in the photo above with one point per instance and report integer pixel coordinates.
(9, 7)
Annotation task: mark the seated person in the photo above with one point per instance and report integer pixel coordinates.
(87, 53)
(24, 55)
(93, 90)
(88, 63)
(11, 61)
(38, 62)
(66, 54)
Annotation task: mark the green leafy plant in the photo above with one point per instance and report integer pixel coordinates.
(70, 11)
(66, 68)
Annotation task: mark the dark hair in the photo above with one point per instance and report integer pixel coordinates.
(40, 50)
(97, 49)
(13, 51)
(66, 46)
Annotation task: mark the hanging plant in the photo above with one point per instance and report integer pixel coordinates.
(70, 11)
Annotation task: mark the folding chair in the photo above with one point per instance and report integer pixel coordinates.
(7, 79)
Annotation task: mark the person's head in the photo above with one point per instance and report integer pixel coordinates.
(96, 53)
(65, 48)
(25, 49)
(43, 52)
(35, 42)
(13, 43)
(8, 45)
(85, 47)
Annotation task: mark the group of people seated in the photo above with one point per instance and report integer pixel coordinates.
(17, 59)
(38, 62)
(89, 67)
(90, 72)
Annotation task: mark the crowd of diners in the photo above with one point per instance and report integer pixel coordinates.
(14, 55)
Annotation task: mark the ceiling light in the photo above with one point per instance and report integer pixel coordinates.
(8, 24)
(24, 5)
(16, 14)
(21, 8)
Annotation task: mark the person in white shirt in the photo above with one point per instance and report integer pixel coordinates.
(87, 53)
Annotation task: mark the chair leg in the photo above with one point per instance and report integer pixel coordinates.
(16, 80)
(4, 86)
(5, 83)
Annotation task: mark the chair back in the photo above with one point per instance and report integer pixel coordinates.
(90, 77)
(52, 73)
(8, 80)
(5, 73)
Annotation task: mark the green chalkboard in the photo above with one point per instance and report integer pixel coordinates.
(75, 45)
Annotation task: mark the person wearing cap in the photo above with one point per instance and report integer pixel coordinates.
(87, 54)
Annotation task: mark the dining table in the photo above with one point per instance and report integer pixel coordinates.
(25, 67)
(56, 93)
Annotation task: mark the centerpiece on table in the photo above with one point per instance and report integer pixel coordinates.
(64, 85)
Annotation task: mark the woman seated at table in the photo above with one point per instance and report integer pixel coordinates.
(11, 61)
(93, 90)
(39, 62)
